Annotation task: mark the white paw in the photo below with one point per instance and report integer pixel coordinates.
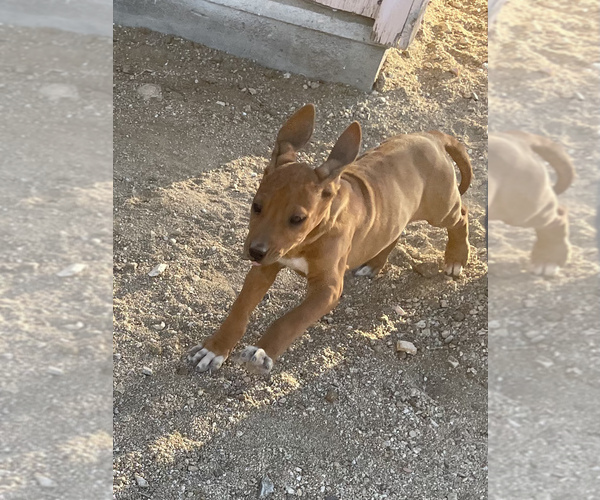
(205, 359)
(546, 270)
(453, 269)
(365, 271)
(256, 360)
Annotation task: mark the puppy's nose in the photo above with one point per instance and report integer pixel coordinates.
(257, 251)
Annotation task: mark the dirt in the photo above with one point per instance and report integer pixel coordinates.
(55, 201)
(544, 346)
(343, 415)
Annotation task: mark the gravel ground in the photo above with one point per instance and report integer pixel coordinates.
(545, 341)
(343, 415)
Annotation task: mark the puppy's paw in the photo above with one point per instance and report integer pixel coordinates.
(453, 269)
(204, 360)
(365, 270)
(546, 270)
(256, 360)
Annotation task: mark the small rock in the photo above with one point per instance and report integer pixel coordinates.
(147, 371)
(159, 326)
(443, 303)
(405, 346)
(56, 91)
(54, 370)
(71, 270)
(579, 96)
(287, 75)
(157, 270)
(142, 483)
(458, 316)
(452, 496)
(220, 103)
(331, 396)
(314, 85)
(427, 269)
(453, 361)
(455, 71)
(266, 487)
(131, 267)
(149, 91)
(421, 324)
(44, 481)
(252, 91)
(474, 96)
(399, 311)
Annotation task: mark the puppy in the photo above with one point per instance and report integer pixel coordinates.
(347, 213)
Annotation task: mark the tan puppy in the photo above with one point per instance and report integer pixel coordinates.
(346, 214)
(520, 193)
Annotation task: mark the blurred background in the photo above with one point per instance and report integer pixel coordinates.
(544, 345)
(56, 264)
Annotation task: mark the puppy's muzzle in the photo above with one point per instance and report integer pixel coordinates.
(257, 251)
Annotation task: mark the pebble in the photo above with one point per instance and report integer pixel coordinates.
(421, 324)
(579, 96)
(287, 75)
(399, 311)
(159, 326)
(427, 269)
(458, 316)
(452, 496)
(453, 361)
(44, 481)
(252, 91)
(56, 91)
(157, 270)
(405, 346)
(71, 270)
(54, 370)
(443, 303)
(149, 91)
(266, 487)
(331, 396)
(147, 371)
(142, 483)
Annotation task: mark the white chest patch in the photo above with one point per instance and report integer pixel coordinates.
(297, 264)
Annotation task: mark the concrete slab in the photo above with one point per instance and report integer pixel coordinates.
(288, 35)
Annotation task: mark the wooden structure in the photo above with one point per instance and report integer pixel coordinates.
(396, 21)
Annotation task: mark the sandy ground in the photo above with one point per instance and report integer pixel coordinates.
(343, 415)
(544, 345)
(55, 199)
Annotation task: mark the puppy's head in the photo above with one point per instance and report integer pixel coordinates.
(293, 198)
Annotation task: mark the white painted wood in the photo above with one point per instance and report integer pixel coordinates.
(396, 21)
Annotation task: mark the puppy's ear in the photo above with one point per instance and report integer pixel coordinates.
(343, 153)
(294, 134)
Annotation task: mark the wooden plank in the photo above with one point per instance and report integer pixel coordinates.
(413, 23)
(367, 8)
(391, 20)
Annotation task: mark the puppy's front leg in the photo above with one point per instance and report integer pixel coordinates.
(322, 296)
(216, 349)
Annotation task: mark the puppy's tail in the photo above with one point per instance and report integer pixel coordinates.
(458, 153)
(554, 154)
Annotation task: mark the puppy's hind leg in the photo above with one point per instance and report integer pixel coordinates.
(371, 268)
(552, 249)
(457, 248)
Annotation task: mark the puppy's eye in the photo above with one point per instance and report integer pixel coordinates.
(256, 208)
(297, 219)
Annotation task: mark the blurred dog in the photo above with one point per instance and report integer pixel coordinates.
(520, 193)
